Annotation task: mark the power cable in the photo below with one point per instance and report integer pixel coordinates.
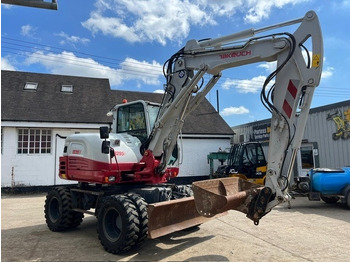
(105, 68)
(134, 66)
(108, 60)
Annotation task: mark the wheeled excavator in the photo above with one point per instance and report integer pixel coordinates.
(123, 173)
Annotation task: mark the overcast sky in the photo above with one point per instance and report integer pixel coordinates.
(128, 41)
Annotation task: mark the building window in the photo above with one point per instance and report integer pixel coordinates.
(34, 141)
(67, 88)
(241, 138)
(31, 86)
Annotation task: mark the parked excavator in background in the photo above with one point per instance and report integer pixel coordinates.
(122, 173)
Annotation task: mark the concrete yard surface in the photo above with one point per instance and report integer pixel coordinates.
(309, 231)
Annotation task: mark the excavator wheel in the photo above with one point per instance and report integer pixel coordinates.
(117, 223)
(58, 210)
(141, 207)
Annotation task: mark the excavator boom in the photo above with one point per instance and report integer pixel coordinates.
(288, 100)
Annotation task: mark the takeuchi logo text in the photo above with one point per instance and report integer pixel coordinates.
(236, 54)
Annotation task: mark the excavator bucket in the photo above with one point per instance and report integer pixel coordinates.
(173, 215)
(219, 195)
(212, 198)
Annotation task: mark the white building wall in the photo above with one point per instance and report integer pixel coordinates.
(8, 155)
(32, 169)
(15, 168)
(195, 151)
(42, 169)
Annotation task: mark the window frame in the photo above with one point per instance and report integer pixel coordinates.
(34, 141)
(30, 86)
(67, 89)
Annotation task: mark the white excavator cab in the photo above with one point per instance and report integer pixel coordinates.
(136, 118)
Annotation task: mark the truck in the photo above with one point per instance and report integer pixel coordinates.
(123, 174)
(328, 184)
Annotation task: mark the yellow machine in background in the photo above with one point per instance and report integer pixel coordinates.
(247, 161)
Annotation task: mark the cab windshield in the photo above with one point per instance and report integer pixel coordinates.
(132, 120)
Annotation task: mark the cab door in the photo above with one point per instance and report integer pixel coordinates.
(307, 158)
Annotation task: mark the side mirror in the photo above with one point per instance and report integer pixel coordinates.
(105, 147)
(104, 132)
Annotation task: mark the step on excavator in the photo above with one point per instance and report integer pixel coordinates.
(122, 173)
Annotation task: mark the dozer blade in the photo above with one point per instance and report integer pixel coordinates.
(215, 196)
(173, 215)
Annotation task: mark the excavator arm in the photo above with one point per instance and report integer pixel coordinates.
(286, 93)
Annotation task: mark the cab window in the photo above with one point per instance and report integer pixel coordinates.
(131, 119)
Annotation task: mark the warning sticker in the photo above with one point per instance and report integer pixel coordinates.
(316, 60)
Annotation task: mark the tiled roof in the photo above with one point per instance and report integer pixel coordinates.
(89, 102)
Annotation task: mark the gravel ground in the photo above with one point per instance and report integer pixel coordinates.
(310, 231)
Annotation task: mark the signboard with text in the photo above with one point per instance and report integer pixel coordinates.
(261, 133)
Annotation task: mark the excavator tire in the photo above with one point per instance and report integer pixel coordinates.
(58, 211)
(117, 223)
(141, 207)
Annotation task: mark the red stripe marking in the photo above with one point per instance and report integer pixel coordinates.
(292, 89)
(287, 108)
